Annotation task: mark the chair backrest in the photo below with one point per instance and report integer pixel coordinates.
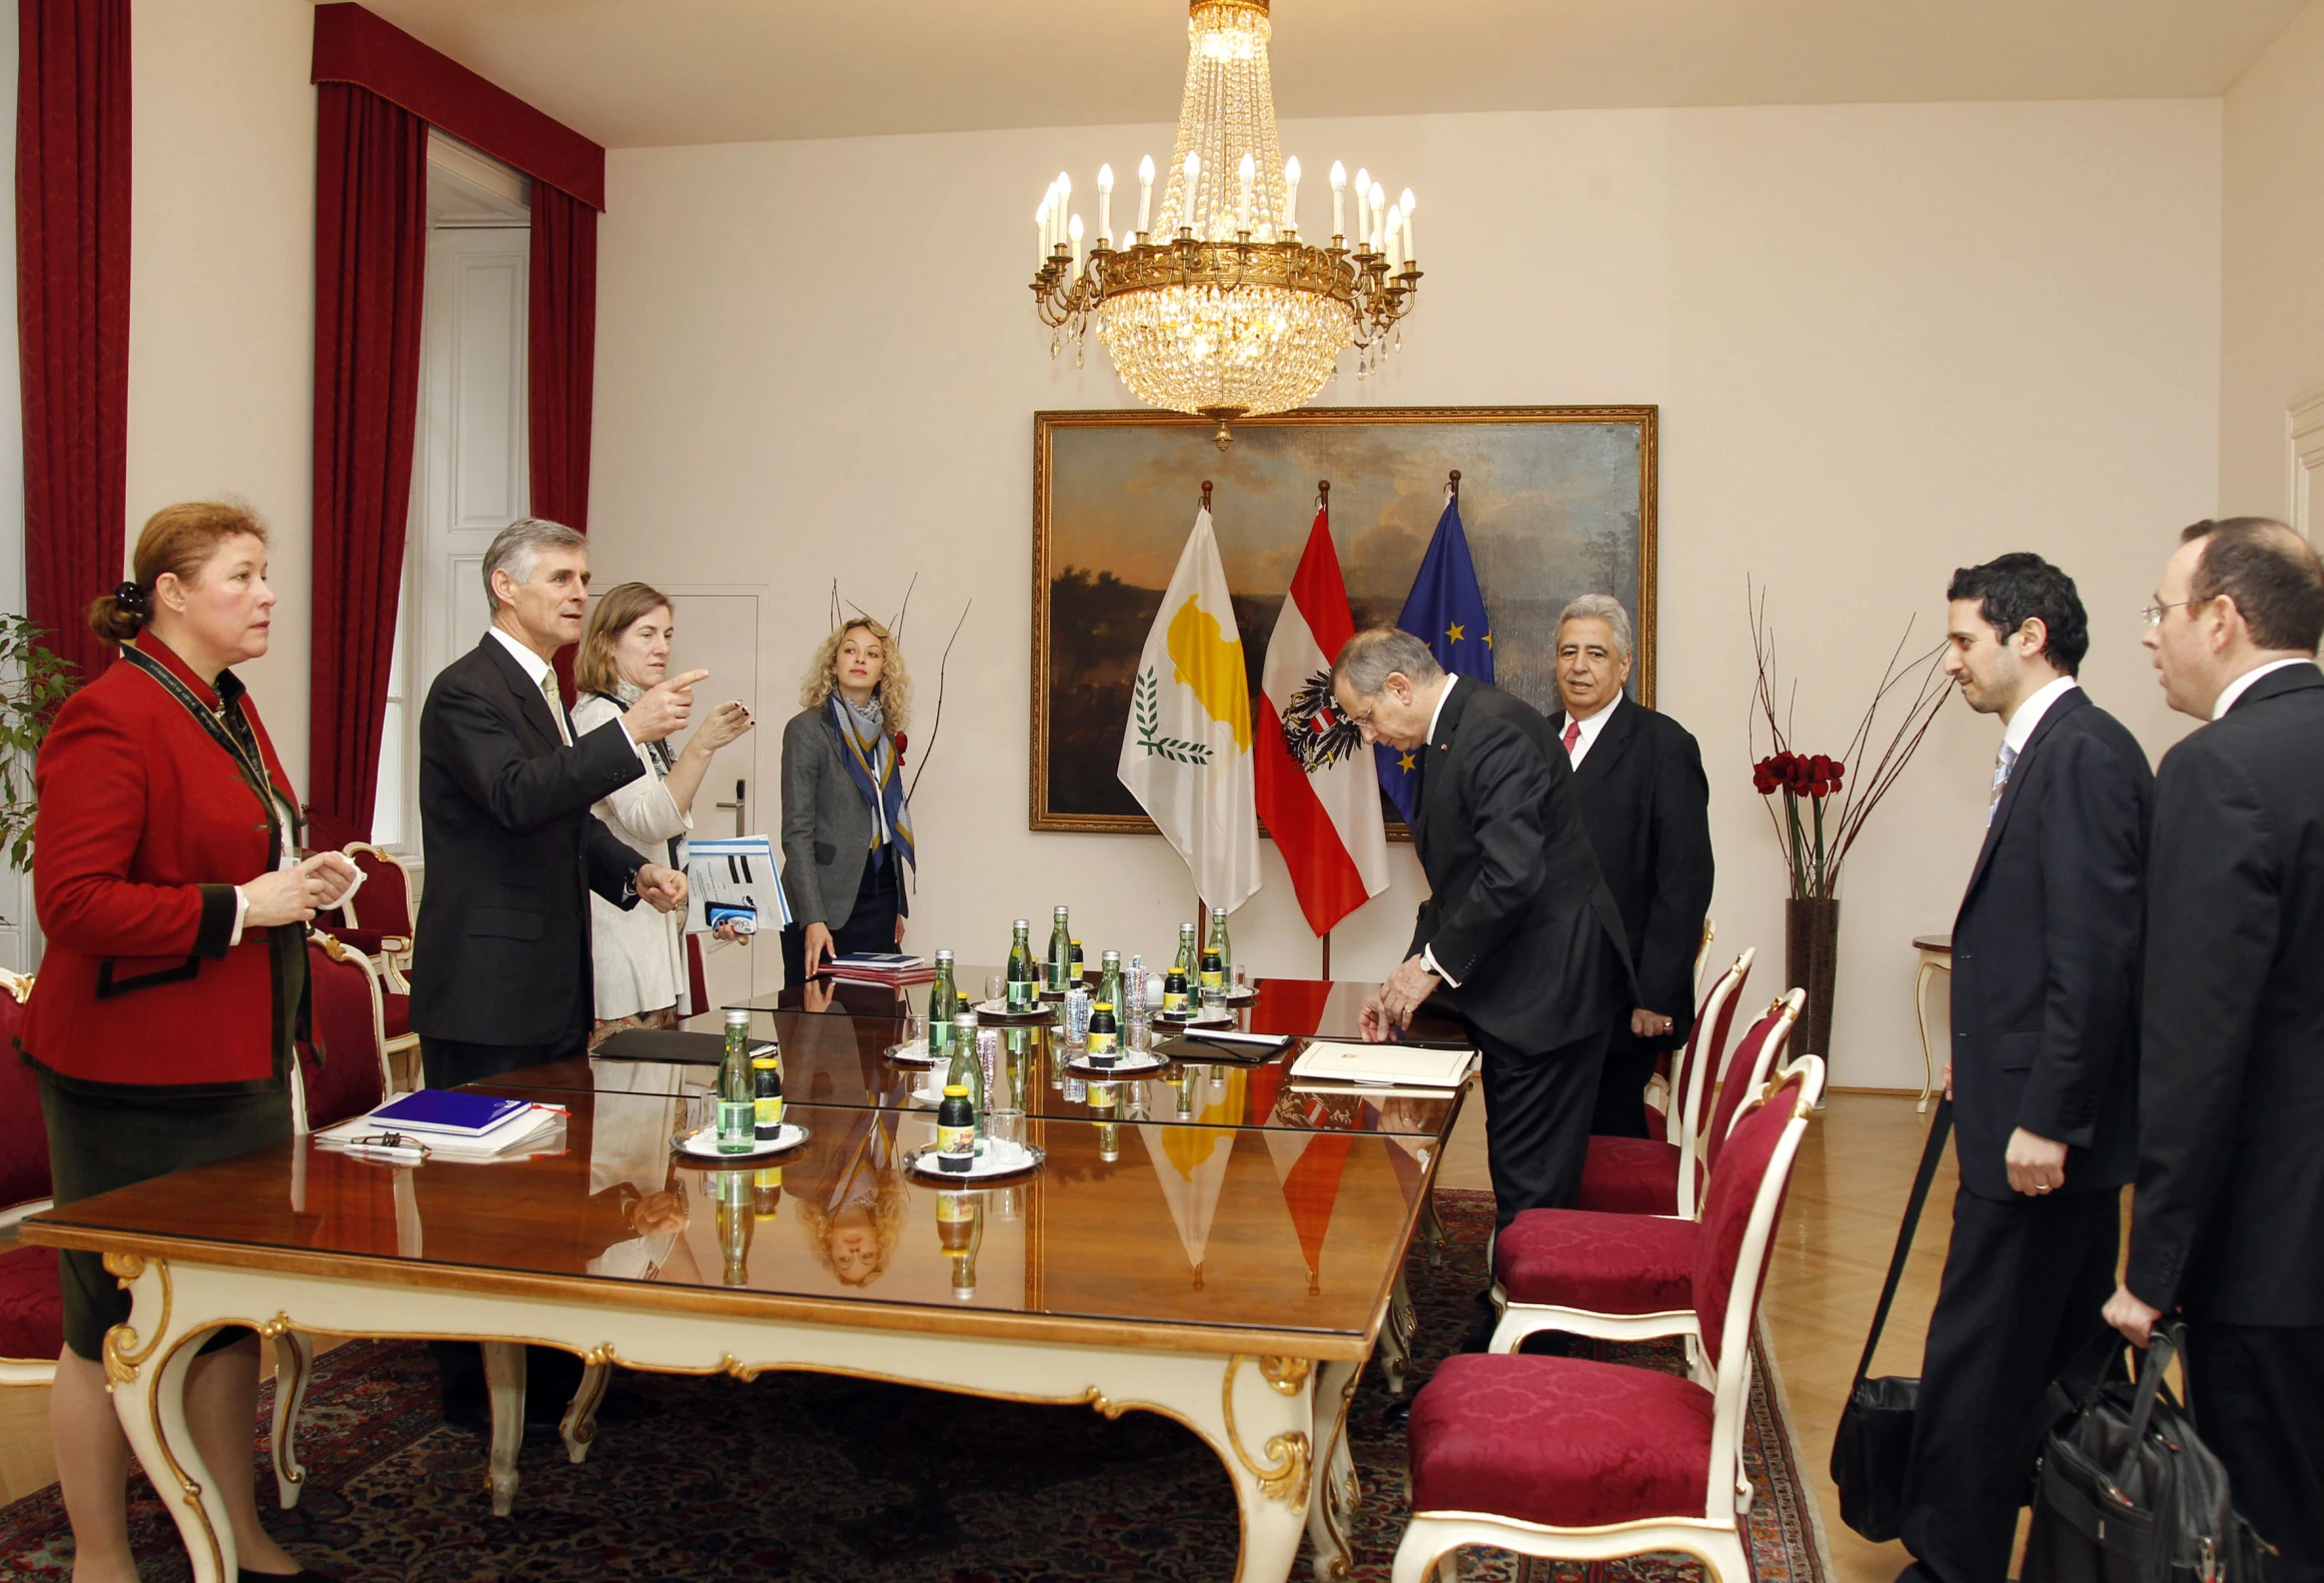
(1699, 1059)
(1756, 1055)
(1703, 953)
(1741, 1208)
(352, 1076)
(385, 902)
(23, 1134)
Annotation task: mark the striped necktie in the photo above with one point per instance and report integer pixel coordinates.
(555, 705)
(2001, 766)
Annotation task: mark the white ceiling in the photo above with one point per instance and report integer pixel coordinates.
(638, 73)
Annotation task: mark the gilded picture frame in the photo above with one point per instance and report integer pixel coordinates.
(1556, 501)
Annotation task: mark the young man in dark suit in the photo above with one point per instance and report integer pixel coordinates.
(2227, 1226)
(500, 972)
(2043, 1068)
(1646, 807)
(1519, 930)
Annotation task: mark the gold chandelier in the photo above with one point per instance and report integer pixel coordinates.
(1230, 314)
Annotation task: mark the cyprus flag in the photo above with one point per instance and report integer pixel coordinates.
(1186, 756)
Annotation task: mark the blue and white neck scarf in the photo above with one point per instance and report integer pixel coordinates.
(870, 755)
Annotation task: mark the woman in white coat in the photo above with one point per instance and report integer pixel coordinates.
(640, 955)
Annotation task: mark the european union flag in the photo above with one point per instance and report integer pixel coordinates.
(1446, 611)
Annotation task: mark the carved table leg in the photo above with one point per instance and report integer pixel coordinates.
(505, 1378)
(1396, 1333)
(1331, 1509)
(1433, 1230)
(579, 1426)
(1267, 1410)
(148, 1380)
(294, 1367)
(1921, 1013)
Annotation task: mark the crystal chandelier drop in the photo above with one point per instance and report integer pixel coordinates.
(1215, 306)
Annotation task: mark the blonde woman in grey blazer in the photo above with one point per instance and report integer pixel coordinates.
(846, 832)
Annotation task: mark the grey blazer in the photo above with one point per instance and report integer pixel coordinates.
(826, 825)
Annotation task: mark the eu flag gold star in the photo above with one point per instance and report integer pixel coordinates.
(1454, 632)
(1487, 639)
(1404, 761)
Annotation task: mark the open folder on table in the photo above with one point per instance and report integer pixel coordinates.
(1389, 1065)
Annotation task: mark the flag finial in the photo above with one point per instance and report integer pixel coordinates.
(1452, 483)
(1206, 494)
(1323, 491)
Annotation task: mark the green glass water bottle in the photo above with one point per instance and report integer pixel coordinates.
(1060, 963)
(737, 1089)
(1022, 991)
(944, 1006)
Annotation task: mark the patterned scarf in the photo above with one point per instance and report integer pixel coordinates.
(870, 755)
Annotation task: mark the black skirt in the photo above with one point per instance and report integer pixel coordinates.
(869, 927)
(117, 1137)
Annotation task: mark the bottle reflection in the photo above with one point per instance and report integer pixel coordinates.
(959, 1232)
(738, 1224)
(766, 1193)
(1109, 1141)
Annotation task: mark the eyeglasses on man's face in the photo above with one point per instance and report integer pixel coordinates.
(2154, 613)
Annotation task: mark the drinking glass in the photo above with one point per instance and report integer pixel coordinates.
(995, 986)
(1242, 979)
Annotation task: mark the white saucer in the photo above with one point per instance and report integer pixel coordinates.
(1133, 1063)
(704, 1146)
(1196, 1019)
(998, 1010)
(994, 1157)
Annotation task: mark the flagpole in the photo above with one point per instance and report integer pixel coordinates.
(1326, 955)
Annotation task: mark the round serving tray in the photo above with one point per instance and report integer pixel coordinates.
(702, 1147)
(997, 1012)
(1022, 1158)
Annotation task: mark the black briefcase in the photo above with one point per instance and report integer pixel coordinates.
(2128, 1492)
(1874, 1442)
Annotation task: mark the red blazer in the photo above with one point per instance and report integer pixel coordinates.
(145, 827)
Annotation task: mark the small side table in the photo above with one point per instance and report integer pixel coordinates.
(1936, 957)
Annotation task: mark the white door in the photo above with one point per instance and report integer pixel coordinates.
(473, 473)
(717, 632)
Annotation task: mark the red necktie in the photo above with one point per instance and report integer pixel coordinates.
(1573, 736)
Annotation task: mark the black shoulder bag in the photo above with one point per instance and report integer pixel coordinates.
(2128, 1492)
(1874, 1442)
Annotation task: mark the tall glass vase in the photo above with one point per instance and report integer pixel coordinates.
(1812, 962)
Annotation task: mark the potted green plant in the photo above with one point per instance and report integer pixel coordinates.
(32, 681)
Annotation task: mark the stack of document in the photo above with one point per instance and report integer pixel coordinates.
(454, 1124)
(887, 968)
(1384, 1065)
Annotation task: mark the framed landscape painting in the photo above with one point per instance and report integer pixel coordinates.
(1556, 501)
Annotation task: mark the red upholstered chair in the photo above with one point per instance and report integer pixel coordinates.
(32, 1318)
(1617, 1277)
(1661, 1176)
(379, 920)
(352, 1077)
(1661, 1086)
(1586, 1461)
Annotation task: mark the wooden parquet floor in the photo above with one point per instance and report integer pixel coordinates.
(1848, 1191)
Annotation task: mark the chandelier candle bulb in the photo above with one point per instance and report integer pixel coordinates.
(1145, 194)
(1290, 225)
(1379, 214)
(1406, 202)
(1338, 200)
(1105, 201)
(1363, 205)
(1394, 230)
(1074, 233)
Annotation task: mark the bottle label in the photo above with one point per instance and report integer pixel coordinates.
(939, 1035)
(766, 1117)
(955, 1146)
(952, 1208)
(1103, 1043)
(737, 1125)
(1213, 978)
(1173, 1000)
(1021, 994)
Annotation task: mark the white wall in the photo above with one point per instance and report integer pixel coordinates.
(2272, 314)
(1885, 339)
(222, 294)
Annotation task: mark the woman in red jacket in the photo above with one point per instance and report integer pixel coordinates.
(168, 882)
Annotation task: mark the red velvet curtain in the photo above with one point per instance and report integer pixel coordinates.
(72, 308)
(371, 257)
(562, 349)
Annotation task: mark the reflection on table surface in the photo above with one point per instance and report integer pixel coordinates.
(840, 1061)
(1140, 1222)
(1282, 1005)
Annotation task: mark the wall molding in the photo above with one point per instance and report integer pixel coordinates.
(2304, 460)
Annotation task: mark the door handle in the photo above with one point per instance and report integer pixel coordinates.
(736, 807)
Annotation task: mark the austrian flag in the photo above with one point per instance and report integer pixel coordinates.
(1316, 785)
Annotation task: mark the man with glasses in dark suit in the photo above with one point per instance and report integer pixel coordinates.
(2227, 1226)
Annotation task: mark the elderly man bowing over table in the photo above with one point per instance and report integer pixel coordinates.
(1519, 930)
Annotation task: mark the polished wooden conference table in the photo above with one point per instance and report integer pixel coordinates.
(1233, 1269)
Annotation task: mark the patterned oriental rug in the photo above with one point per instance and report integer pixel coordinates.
(809, 1477)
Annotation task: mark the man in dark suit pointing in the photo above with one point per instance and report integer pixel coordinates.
(500, 972)
(2227, 1226)
(2043, 1067)
(1519, 930)
(1646, 807)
